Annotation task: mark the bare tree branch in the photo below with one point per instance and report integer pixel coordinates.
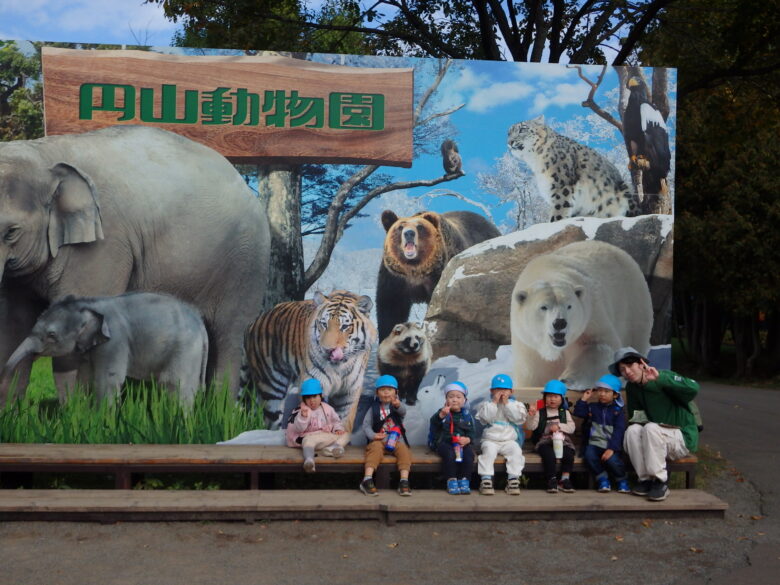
(651, 11)
(590, 102)
(447, 192)
(337, 219)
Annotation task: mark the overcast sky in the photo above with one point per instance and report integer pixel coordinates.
(85, 21)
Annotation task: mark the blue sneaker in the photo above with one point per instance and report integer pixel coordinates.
(603, 486)
(452, 487)
(465, 486)
(622, 487)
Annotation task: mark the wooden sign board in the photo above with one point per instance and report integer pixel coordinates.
(250, 109)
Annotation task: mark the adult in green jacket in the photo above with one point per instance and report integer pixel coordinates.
(661, 423)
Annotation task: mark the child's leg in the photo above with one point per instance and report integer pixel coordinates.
(567, 461)
(616, 466)
(487, 458)
(403, 458)
(547, 454)
(447, 460)
(374, 453)
(466, 467)
(593, 459)
(515, 460)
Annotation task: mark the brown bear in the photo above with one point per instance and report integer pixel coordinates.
(417, 249)
(405, 354)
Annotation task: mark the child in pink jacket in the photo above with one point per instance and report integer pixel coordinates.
(314, 425)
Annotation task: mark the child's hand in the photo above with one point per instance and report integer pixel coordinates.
(396, 402)
(380, 436)
(532, 410)
(464, 440)
(444, 411)
(607, 454)
(587, 394)
(496, 398)
(505, 396)
(305, 410)
(554, 428)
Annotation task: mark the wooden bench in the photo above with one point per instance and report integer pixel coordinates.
(125, 461)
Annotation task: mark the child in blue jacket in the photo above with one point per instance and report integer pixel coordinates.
(602, 433)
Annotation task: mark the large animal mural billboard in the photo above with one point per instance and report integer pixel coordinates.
(523, 227)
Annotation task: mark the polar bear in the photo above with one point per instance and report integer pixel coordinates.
(572, 308)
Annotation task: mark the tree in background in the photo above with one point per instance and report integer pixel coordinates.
(727, 269)
(590, 31)
(21, 97)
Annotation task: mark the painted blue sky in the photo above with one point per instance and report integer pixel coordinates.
(494, 95)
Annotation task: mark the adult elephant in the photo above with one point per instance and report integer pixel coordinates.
(129, 208)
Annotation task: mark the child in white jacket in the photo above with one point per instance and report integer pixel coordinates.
(505, 417)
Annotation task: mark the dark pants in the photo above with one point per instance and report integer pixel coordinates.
(448, 465)
(547, 454)
(614, 464)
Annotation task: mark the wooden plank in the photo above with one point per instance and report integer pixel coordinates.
(307, 504)
(324, 113)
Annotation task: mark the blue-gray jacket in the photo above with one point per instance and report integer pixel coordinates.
(603, 424)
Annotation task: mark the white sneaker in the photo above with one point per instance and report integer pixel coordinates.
(308, 465)
(486, 487)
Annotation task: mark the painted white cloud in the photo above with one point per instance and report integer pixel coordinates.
(498, 94)
(121, 21)
(561, 95)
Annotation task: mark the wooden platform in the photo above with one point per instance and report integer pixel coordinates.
(127, 461)
(423, 505)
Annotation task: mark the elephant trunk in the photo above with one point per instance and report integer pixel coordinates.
(30, 346)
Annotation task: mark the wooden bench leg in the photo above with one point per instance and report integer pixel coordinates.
(690, 478)
(123, 480)
(382, 477)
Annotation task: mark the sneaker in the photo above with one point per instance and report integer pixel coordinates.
(465, 486)
(453, 488)
(337, 451)
(308, 465)
(622, 487)
(565, 486)
(552, 485)
(513, 487)
(603, 486)
(486, 487)
(658, 492)
(403, 488)
(642, 488)
(367, 487)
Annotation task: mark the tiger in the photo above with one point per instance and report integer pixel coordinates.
(327, 337)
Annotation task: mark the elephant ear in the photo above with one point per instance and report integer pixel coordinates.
(74, 214)
(94, 330)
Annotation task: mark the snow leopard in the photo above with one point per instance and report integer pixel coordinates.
(577, 180)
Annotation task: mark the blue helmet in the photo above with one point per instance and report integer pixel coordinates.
(501, 381)
(457, 386)
(311, 387)
(609, 382)
(555, 387)
(386, 380)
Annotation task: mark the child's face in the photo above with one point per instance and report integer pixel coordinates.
(605, 395)
(313, 401)
(455, 400)
(385, 394)
(500, 392)
(553, 400)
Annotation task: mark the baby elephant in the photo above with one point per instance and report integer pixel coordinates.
(137, 334)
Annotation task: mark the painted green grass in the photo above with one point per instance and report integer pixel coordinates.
(145, 414)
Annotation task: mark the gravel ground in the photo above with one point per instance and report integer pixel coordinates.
(562, 552)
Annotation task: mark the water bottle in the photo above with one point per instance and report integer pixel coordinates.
(392, 438)
(458, 448)
(557, 441)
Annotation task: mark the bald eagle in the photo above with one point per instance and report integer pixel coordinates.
(647, 139)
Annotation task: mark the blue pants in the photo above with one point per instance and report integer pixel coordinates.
(450, 467)
(614, 464)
